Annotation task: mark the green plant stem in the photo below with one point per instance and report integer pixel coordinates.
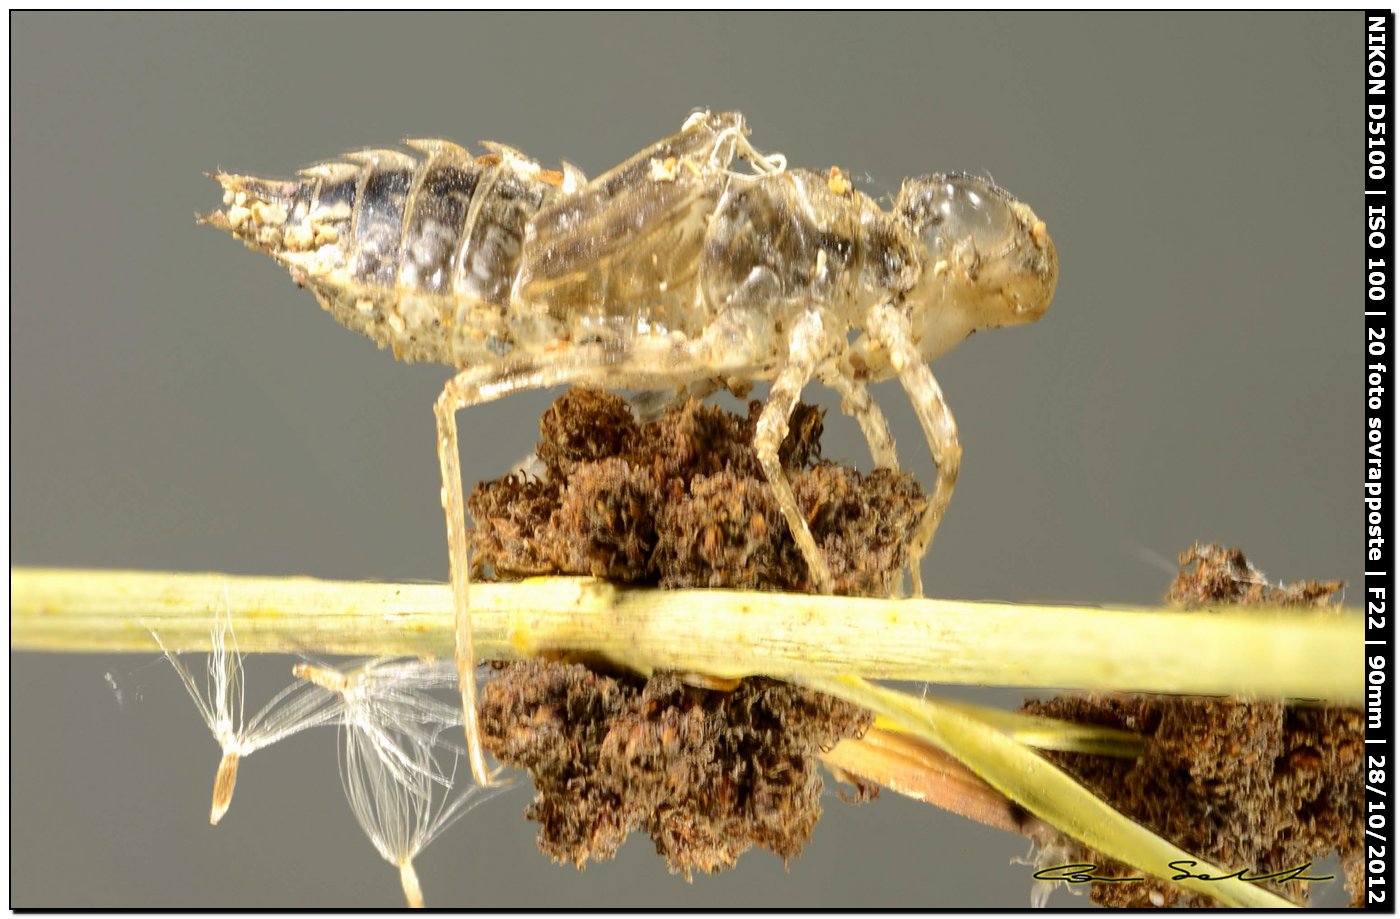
(1045, 790)
(1263, 652)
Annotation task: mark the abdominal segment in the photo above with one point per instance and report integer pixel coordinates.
(420, 253)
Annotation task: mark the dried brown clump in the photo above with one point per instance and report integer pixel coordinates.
(706, 774)
(681, 502)
(1257, 785)
(1224, 575)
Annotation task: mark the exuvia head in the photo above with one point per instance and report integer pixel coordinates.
(988, 260)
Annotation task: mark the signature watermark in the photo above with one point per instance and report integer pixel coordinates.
(1084, 873)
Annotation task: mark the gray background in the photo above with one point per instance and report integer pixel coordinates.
(178, 404)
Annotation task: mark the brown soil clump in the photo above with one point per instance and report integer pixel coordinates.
(1257, 785)
(706, 774)
(680, 502)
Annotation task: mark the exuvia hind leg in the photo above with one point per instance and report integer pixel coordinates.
(460, 392)
(473, 387)
(805, 348)
(485, 384)
(891, 328)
